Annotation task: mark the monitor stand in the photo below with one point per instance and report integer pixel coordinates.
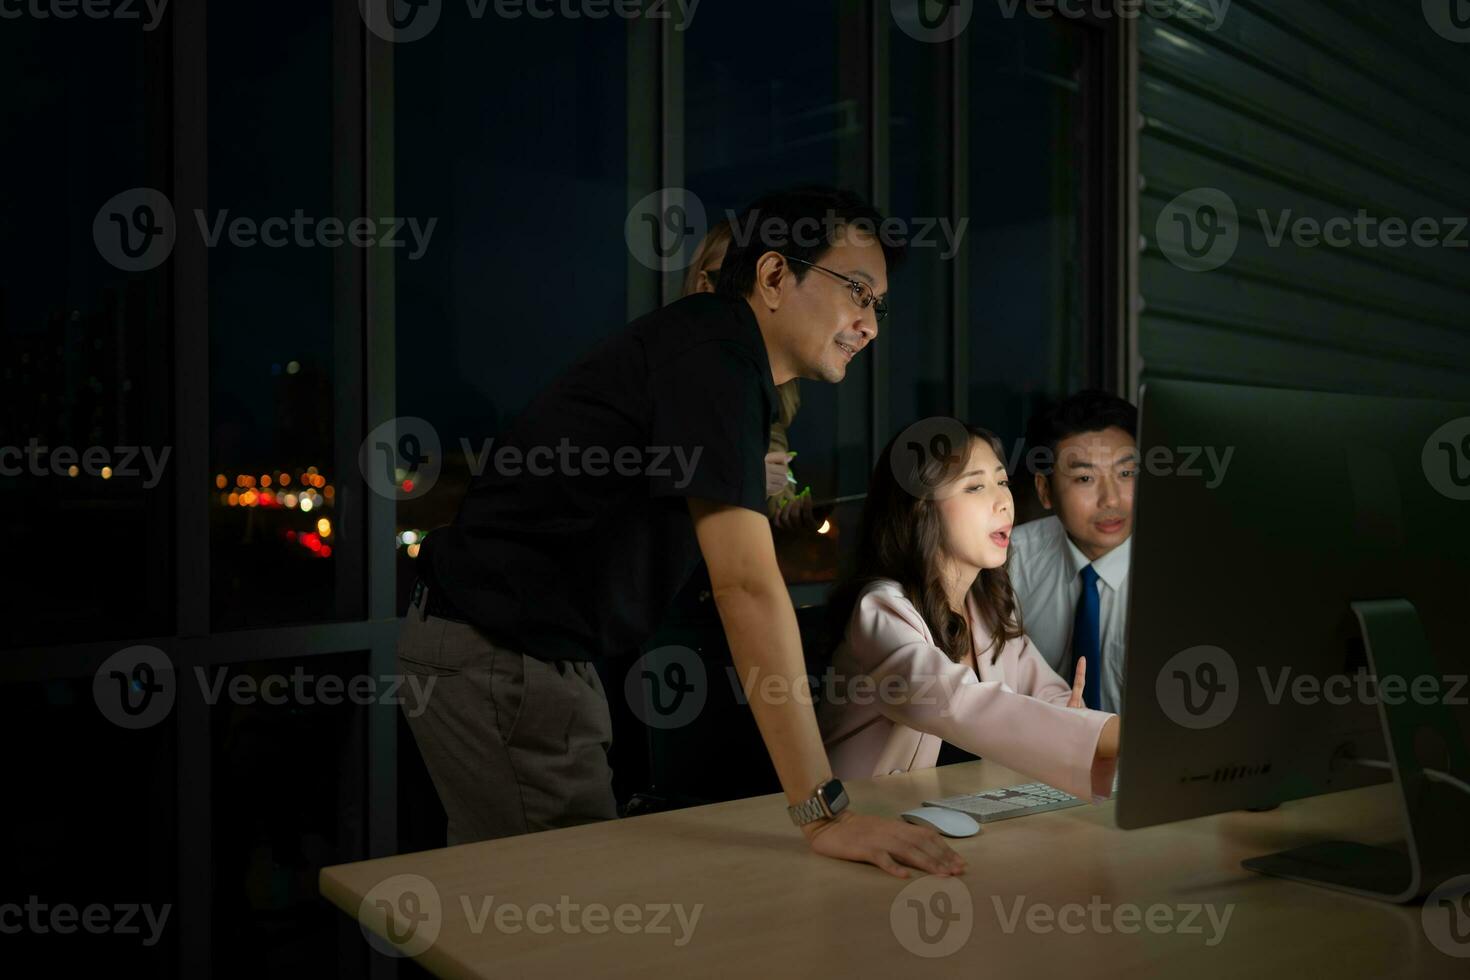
(1417, 736)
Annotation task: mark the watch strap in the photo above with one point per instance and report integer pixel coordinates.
(805, 813)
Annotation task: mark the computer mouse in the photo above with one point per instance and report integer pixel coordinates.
(950, 823)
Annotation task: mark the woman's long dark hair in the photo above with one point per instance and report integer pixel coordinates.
(901, 537)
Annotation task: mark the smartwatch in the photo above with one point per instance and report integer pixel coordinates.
(827, 801)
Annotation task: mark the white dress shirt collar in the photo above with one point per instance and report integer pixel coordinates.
(1112, 567)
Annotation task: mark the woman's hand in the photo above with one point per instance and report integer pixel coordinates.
(1112, 732)
(1081, 678)
(777, 466)
(892, 845)
(796, 513)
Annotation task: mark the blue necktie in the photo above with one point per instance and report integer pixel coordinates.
(1086, 639)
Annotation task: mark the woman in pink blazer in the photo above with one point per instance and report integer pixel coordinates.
(932, 646)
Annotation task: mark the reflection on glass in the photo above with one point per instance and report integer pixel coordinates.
(86, 469)
(528, 267)
(1025, 169)
(766, 109)
(287, 802)
(917, 343)
(271, 319)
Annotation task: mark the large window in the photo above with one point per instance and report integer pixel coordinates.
(1029, 153)
(275, 529)
(528, 140)
(510, 134)
(182, 402)
(86, 467)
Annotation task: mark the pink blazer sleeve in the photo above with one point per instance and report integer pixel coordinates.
(1015, 713)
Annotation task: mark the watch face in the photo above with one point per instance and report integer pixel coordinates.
(835, 796)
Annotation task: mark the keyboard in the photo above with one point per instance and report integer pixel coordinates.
(1011, 801)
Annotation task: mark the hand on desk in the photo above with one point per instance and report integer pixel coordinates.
(892, 845)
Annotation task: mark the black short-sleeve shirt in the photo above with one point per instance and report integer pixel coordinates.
(576, 537)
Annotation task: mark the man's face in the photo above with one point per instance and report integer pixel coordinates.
(1091, 489)
(823, 326)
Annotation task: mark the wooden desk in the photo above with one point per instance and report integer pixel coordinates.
(771, 909)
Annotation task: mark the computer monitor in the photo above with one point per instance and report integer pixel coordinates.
(1290, 547)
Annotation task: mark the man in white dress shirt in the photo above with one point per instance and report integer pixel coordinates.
(1070, 570)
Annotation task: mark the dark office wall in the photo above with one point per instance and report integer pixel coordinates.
(1321, 110)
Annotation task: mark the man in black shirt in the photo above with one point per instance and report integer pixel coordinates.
(595, 507)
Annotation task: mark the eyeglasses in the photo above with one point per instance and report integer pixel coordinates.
(862, 293)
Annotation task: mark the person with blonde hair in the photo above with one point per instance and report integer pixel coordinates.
(786, 507)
